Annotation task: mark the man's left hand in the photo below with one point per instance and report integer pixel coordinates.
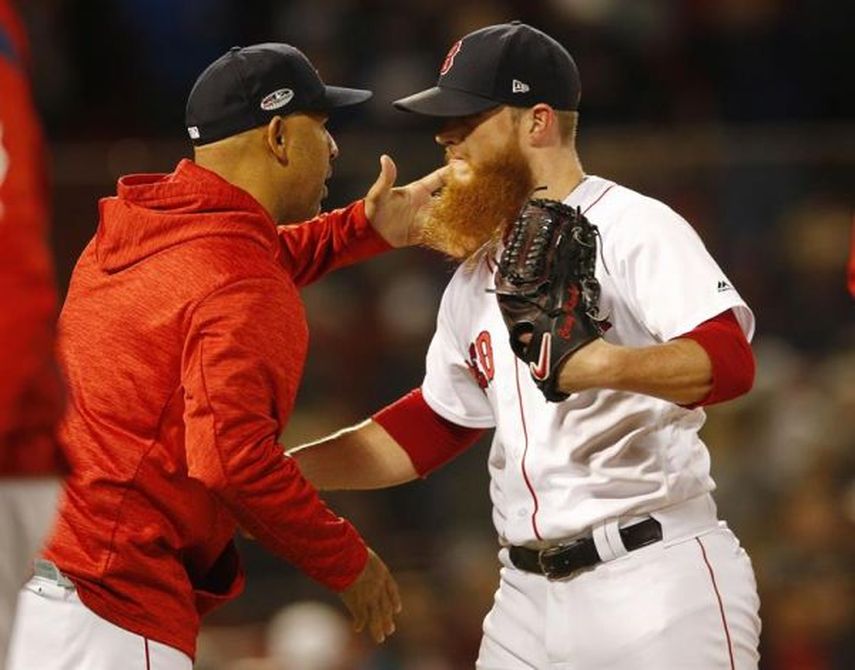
(398, 214)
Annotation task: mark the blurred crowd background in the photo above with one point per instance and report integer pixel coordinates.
(738, 113)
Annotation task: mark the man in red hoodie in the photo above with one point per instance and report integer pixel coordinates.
(30, 393)
(183, 340)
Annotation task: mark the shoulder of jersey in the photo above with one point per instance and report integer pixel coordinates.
(622, 208)
(467, 287)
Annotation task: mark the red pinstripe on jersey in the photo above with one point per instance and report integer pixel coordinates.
(599, 197)
(720, 604)
(525, 453)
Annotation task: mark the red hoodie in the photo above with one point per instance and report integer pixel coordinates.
(30, 391)
(183, 340)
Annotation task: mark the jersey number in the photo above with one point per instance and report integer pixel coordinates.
(480, 361)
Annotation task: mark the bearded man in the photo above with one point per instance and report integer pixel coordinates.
(611, 550)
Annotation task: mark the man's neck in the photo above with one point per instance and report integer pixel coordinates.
(234, 168)
(557, 174)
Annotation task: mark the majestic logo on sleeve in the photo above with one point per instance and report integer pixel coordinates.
(448, 63)
(480, 362)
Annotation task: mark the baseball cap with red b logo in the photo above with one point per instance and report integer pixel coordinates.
(506, 64)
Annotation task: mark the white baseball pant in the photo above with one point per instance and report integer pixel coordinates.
(27, 508)
(688, 602)
(54, 630)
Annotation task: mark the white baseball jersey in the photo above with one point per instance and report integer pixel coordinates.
(557, 469)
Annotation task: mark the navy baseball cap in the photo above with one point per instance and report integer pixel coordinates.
(506, 64)
(246, 87)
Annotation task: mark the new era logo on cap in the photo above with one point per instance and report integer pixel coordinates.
(520, 87)
(723, 286)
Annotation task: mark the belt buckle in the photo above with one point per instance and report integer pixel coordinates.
(547, 553)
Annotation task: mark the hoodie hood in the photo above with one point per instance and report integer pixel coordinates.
(153, 212)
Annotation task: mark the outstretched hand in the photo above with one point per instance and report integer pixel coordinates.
(373, 599)
(398, 214)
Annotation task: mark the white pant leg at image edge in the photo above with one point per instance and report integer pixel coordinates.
(54, 630)
(27, 508)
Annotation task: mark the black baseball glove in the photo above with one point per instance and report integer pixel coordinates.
(546, 288)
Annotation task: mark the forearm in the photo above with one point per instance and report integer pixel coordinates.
(364, 456)
(679, 371)
(269, 498)
(330, 241)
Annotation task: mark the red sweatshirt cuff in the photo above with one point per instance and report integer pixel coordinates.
(429, 439)
(354, 563)
(733, 365)
(367, 241)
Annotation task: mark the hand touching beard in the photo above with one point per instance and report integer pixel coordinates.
(478, 202)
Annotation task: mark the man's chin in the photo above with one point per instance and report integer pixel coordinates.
(299, 216)
(318, 207)
(472, 211)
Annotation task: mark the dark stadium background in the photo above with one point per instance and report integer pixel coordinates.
(738, 113)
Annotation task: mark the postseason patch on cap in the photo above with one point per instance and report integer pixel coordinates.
(276, 100)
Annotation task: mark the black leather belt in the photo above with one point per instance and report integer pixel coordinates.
(563, 560)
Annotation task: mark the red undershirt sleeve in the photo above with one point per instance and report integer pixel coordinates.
(730, 353)
(429, 439)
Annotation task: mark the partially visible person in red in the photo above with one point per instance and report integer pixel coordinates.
(30, 391)
(182, 341)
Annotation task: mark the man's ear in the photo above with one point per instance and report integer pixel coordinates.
(541, 124)
(277, 139)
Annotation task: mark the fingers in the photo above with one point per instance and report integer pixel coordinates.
(393, 594)
(389, 169)
(377, 614)
(373, 600)
(382, 625)
(386, 603)
(385, 180)
(382, 619)
(436, 179)
(360, 618)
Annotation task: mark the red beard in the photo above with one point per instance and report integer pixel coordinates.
(470, 213)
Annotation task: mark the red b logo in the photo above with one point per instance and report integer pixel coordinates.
(449, 59)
